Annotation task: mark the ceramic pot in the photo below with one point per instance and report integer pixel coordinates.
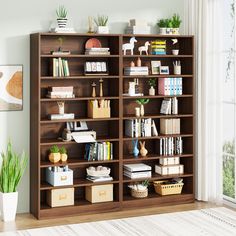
(152, 91)
(142, 110)
(64, 157)
(8, 206)
(168, 30)
(103, 30)
(162, 31)
(175, 31)
(135, 148)
(143, 150)
(175, 52)
(54, 157)
(62, 23)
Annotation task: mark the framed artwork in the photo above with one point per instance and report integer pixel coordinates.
(11, 87)
(164, 70)
(155, 67)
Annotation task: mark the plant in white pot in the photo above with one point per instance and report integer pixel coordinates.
(101, 23)
(61, 17)
(12, 169)
(169, 26)
(162, 26)
(176, 21)
(142, 102)
(152, 84)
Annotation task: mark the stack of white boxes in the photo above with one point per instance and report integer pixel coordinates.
(169, 166)
(138, 27)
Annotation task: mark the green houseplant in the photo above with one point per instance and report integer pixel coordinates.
(63, 153)
(152, 84)
(162, 26)
(142, 102)
(176, 22)
(55, 155)
(101, 22)
(12, 170)
(169, 26)
(61, 16)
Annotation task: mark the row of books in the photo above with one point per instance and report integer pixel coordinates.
(60, 67)
(61, 92)
(171, 146)
(158, 47)
(99, 151)
(170, 86)
(135, 70)
(140, 128)
(97, 51)
(170, 126)
(169, 106)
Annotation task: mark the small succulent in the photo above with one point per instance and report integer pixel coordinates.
(54, 149)
(63, 150)
(61, 12)
(152, 82)
(176, 21)
(145, 183)
(101, 20)
(168, 23)
(142, 101)
(162, 23)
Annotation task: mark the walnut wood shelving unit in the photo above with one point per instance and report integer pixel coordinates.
(44, 132)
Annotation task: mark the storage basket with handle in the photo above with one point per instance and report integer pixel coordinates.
(167, 189)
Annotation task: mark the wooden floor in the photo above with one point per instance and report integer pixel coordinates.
(27, 221)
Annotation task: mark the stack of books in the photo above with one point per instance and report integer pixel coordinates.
(169, 106)
(99, 151)
(140, 128)
(135, 70)
(97, 51)
(137, 171)
(171, 146)
(138, 27)
(170, 126)
(158, 47)
(60, 67)
(170, 86)
(61, 92)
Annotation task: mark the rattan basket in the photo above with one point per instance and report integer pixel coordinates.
(167, 189)
(139, 193)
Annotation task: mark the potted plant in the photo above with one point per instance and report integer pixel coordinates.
(139, 190)
(61, 17)
(55, 155)
(142, 102)
(162, 26)
(169, 26)
(63, 153)
(152, 84)
(12, 170)
(176, 21)
(101, 23)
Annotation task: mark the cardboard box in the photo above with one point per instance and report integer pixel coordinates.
(60, 197)
(59, 178)
(98, 112)
(99, 193)
(169, 170)
(169, 161)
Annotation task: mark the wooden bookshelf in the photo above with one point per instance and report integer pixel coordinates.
(44, 132)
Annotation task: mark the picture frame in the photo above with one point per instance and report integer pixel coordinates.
(11, 85)
(164, 70)
(155, 67)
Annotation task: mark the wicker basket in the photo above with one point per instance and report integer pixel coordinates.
(167, 189)
(139, 193)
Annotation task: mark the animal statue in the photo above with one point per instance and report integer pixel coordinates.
(143, 150)
(129, 46)
(144, 48)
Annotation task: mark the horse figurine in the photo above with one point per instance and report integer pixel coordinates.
(144, 48)
(129, 46)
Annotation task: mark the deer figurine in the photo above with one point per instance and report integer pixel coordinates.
(144, 48)
(129, 46)
(143, 150)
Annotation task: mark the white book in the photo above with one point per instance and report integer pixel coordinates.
(154, 129)
(129, 125)
(138, 175)
(161, 141)
(137, 167)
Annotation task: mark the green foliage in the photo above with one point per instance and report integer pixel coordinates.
(145, 183)
(228, 147)
(168, 23)
(61, 12)
(54, 149)
(142, 101)
(162, 23)
(176, 21)
(152, 82)
(101, 20)
(63, 150)
(12, 170)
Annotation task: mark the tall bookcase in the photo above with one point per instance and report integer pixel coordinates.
(44, 132)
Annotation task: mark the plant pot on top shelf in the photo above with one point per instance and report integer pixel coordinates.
(55, 155)
(162, 26)
(176, 21)
(61, 17)
(101, 23)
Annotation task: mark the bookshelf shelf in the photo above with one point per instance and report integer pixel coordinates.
(46, 133)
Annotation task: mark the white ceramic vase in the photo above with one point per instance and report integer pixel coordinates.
(142, 110)
(152, 91)
(168, 30)
(103, 30)
(162, 31)
(62, 23)
(8, 206)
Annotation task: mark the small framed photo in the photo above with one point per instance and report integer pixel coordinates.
(155, 67)
(164, 70)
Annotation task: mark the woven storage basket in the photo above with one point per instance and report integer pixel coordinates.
(167, 189)
(139, 193)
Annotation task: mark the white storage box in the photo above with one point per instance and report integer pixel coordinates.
(60, 197)
(59, 178)
(169, 161)
(169, 170)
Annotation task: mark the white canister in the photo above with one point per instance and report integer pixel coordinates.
(131, 90)
(137, 111)
(177, 70)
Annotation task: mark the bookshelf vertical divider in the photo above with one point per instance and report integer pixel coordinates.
(45, 132)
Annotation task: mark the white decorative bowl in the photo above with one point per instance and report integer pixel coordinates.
(98, 173)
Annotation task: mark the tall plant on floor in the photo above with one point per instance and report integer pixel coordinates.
(12, 170)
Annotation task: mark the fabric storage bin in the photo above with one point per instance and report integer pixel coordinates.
(169, 170)
(60, 197)
(99, 193)
(167, 189)
(59, 178)
(169, 161)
